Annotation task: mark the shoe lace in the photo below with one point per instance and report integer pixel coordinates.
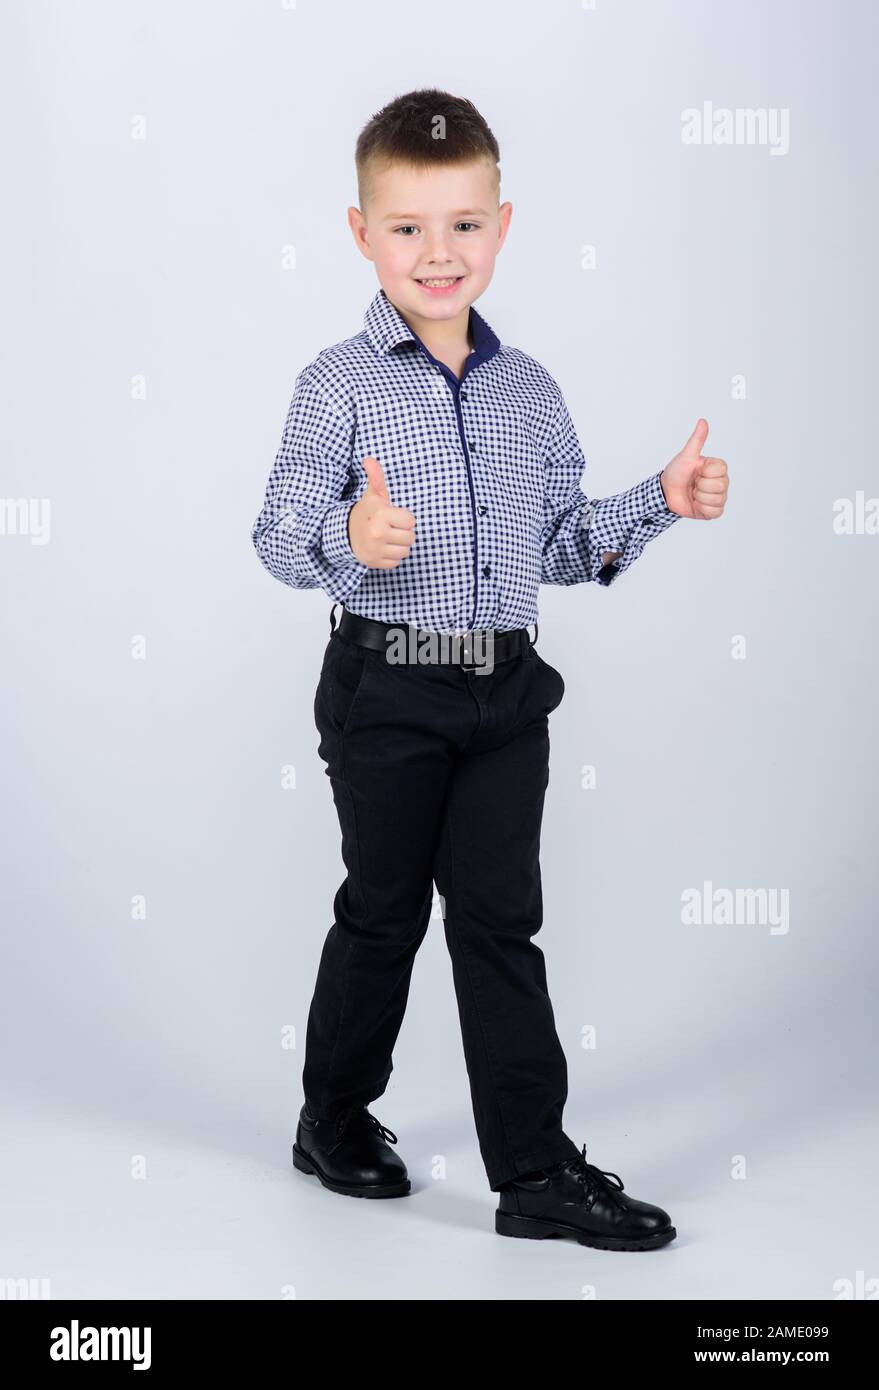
(359, 1112)
(596, 1180)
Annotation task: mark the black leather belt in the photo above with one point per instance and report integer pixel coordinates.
(467, 649)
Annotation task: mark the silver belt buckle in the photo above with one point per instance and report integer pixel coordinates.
(467, 648)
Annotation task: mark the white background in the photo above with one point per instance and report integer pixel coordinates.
(164, 258)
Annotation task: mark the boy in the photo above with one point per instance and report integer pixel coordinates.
(427, 480)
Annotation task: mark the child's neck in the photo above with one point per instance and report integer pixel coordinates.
(448, 341)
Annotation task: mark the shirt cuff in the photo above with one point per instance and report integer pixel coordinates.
(658, 504)
(647, 515)
(646, 503)
(334, 542)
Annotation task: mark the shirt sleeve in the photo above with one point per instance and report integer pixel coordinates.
(576, 532)
(301, 534)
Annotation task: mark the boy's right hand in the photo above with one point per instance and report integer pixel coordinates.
(381, 535)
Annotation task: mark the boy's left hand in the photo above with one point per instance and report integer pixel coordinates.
(696, 486)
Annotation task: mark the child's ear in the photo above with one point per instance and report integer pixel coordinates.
(357, 223)
(505, 212)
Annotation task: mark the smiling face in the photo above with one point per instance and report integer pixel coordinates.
(433, 235)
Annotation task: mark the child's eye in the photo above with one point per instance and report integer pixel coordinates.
(411, 228)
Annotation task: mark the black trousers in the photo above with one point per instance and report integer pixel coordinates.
(438, 774)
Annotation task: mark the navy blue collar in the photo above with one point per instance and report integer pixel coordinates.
(386, 329)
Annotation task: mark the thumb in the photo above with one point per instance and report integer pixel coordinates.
(376, 478)
(693, 446)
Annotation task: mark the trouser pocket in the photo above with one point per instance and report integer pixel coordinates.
(344, 678)
(554, 681)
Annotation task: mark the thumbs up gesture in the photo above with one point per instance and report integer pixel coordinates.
(381, 535)
(694, 485)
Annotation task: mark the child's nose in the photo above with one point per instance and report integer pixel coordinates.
(437, 250)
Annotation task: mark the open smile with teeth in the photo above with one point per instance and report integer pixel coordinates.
(441, 284)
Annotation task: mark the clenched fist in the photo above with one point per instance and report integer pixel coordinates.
(696, 486)
(381, 535)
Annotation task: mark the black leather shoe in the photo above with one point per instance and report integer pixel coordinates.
(574, 1198)
(350, 1154)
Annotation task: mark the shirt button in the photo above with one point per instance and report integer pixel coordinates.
(486, 570)
(482, 509)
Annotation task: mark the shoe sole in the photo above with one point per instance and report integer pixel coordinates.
(530, 1228)
(307, 1165)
